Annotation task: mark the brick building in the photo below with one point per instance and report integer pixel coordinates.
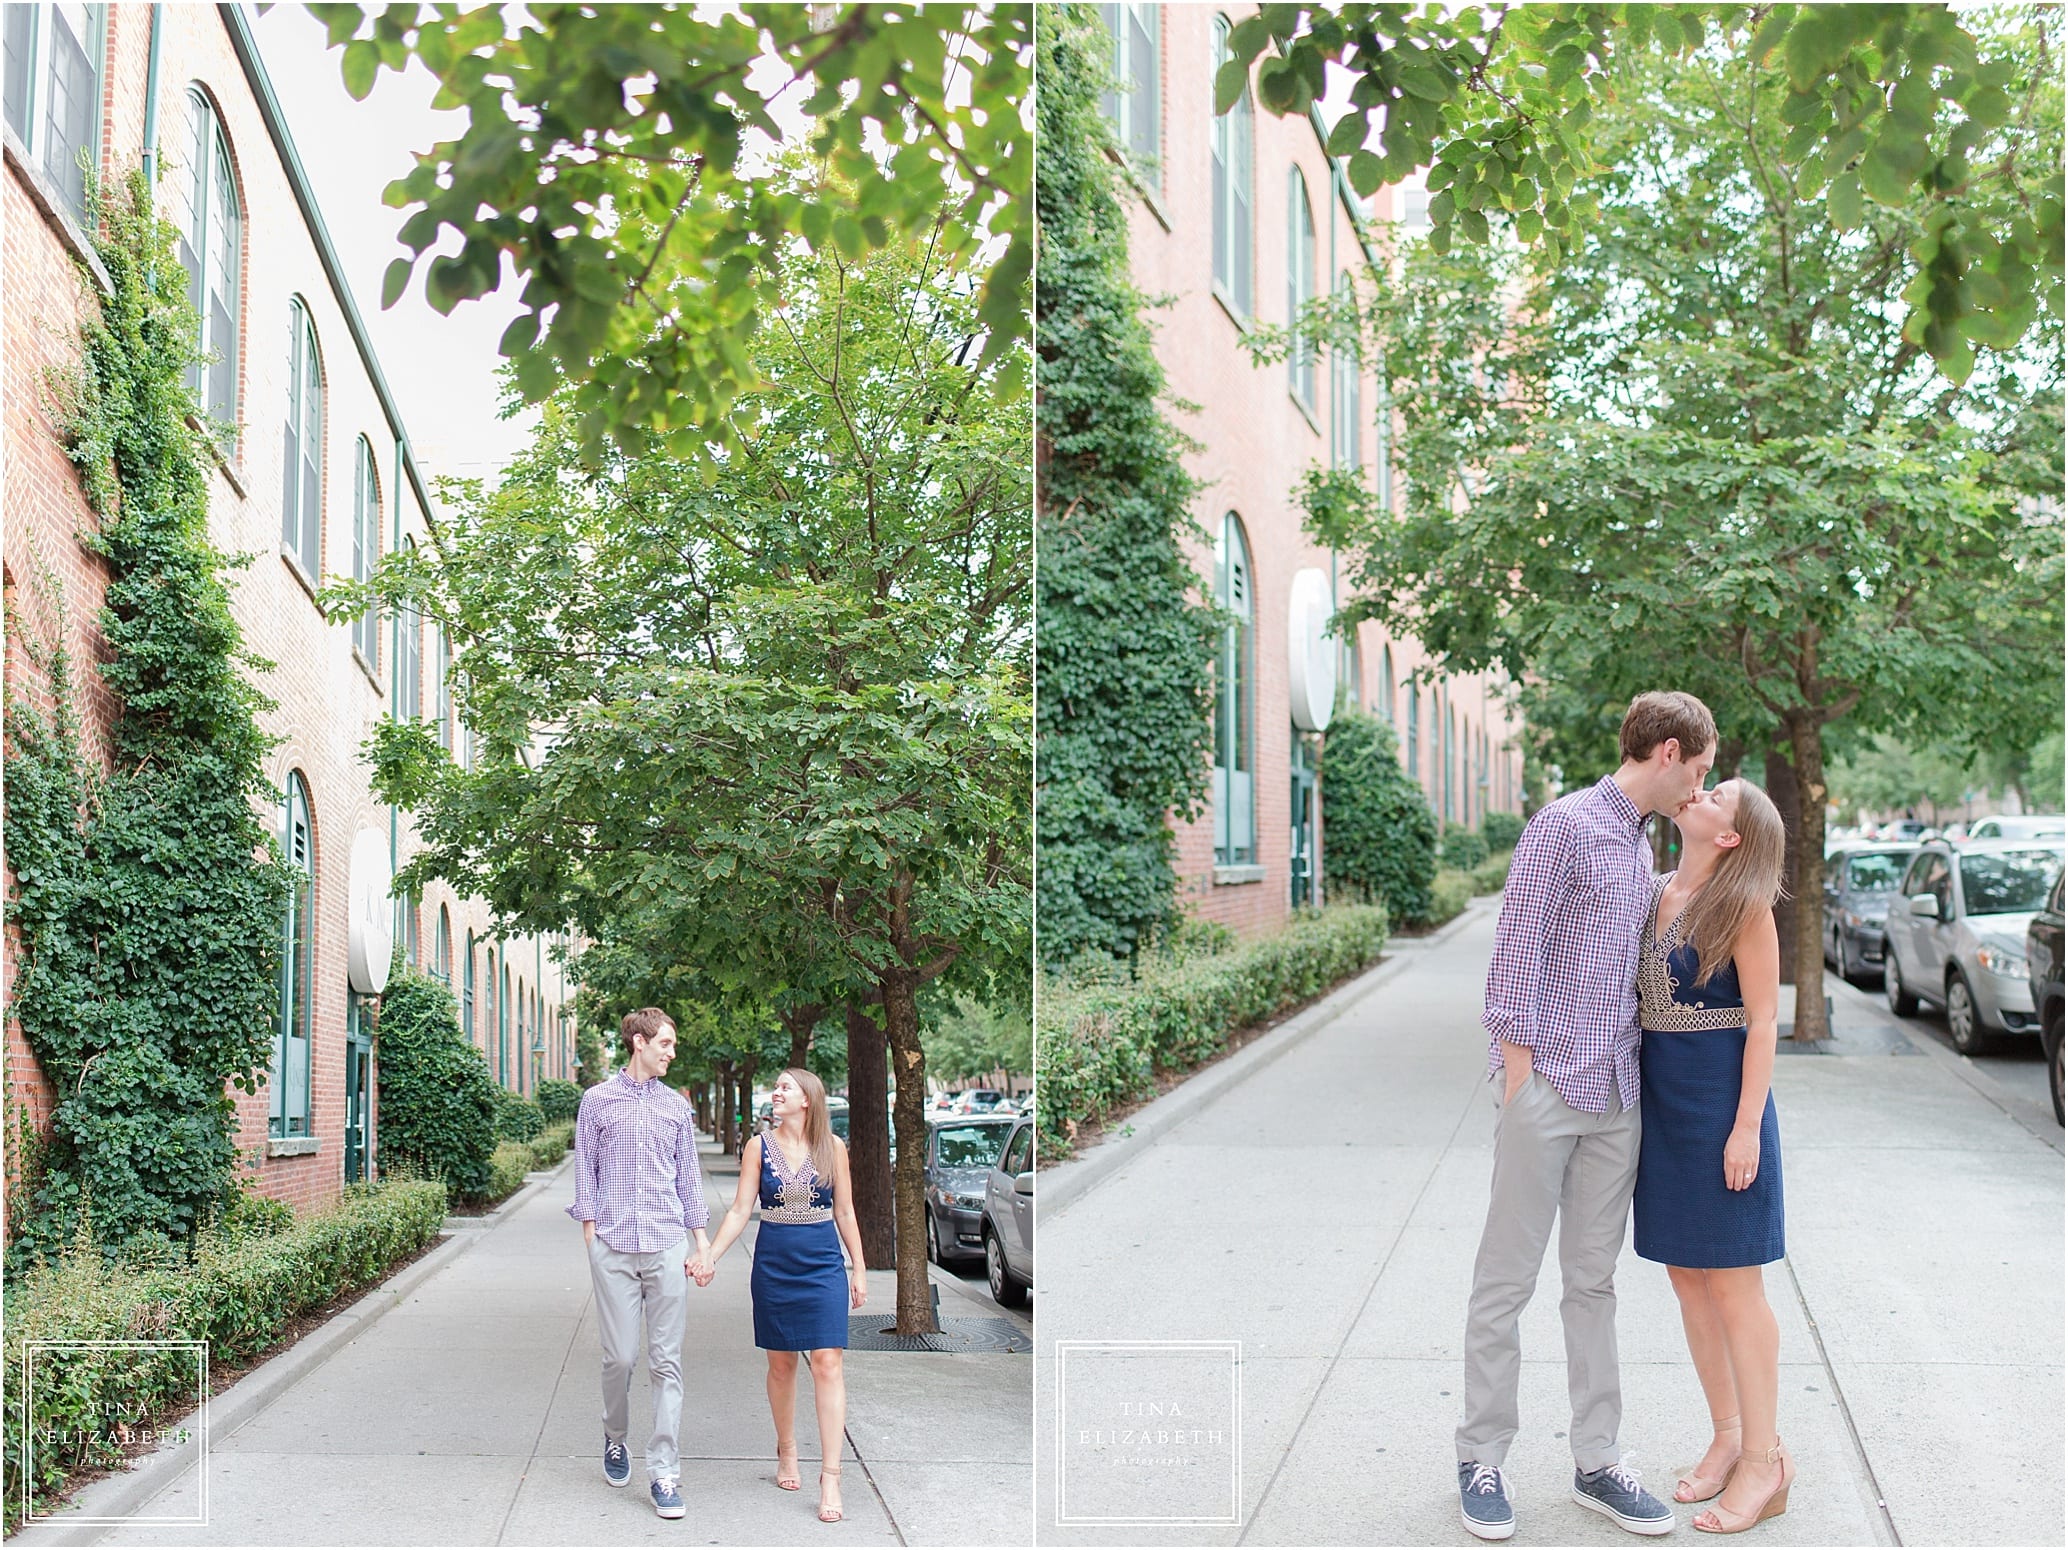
(316, 480)
(1238, 217)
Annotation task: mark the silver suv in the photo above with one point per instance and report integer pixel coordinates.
(1009, 1219)
(1956, 936)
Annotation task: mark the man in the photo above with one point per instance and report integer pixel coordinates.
(639, 1195)
(1561, 1009)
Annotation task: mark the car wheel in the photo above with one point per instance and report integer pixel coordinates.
(1005, 1291)
(1842, 956)
(1963, 1021)
(1900, 1001)
(2054, 1079)
(933, 1240)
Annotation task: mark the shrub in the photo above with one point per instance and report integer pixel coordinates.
(1448, 896)
(237, 1293)
(517, 1118)
(1463, 848)
(551, 1145)
(1501, 831)
(1491, 875)
(249, 1216)
(559, 1100)
(1381, 835)
(1103, 1042)
(506, 1171)
(438, 1102)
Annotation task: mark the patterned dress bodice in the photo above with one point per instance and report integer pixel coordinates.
(1668, 1000)
(796, 1196)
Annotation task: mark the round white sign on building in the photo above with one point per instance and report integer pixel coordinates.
(1311, 651)
(371, 892)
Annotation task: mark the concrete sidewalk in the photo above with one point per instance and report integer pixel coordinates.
(1325, 1209)
(469, 1414)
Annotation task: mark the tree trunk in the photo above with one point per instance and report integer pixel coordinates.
(727, 1133)
(908, 1060)
(1780, 785)
(746, 1102)
(799, 1022)
(1806, 742)
(868, 1136)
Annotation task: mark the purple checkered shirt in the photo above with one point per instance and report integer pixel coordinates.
(635, 1165)
(1563, 979)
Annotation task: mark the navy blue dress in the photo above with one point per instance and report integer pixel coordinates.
(1691, 1065)
(799, 1280)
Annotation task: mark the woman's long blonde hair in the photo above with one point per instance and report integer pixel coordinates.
(818, 1123)
(1746, 881)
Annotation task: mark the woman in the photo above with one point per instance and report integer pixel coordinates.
(1708, 1200)
(797, 1169)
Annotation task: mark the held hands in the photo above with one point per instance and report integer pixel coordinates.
(1741, 1157)
(857, 1288)
(699, 1269)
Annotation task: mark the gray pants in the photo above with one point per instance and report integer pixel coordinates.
(631, 1288)
(1550, 1161)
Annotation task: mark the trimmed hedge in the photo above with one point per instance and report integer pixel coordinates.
(1463, 848)
(1381, 835)
(237, 1293)
(1491, 875)
(438, 1102)
(551, 1144)
(506, 1171)
(1448, 896)
(1501, 830)
(559, 1100)
(1102, 1043)
(518, 1118)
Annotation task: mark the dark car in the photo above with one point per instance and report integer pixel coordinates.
(1859, 881)
(960, 1152)
(2043, 956)
(1009, 1220)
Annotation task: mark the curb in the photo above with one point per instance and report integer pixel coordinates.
(118, 1495)
(1059, 1188)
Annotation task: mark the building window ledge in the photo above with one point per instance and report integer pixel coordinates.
(1225, 875)
(294, 567)
(372, 673)
(1305, 408)
(294, 1146)
(1220, 294)
(45, 198)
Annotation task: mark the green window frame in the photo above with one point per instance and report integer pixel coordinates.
(211, 222)
(1234, 776)
(294, 1017)
(1299, 285)
(366, 549)
(1234, 192)
(301, 455)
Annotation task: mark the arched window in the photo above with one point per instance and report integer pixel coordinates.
(1450, 757)
(53, 92)
(1135, 105)
(444, 666)
(1350, 672)
(1234, 781)
(1299, 283)
(301, 495)
(409, 660)
(412, 942)
(210, 222)
(1414, 729)
(1386, 682)
(444, 947)
(467, 991)
(1345, 395)
(366, 548)
(502, 1026)
(1234, 137)
(297, 1000)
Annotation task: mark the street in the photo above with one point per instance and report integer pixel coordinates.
(1323, 1209)
(468, 1415)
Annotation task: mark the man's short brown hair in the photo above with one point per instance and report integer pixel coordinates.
(644, 1024)
(1662, 713)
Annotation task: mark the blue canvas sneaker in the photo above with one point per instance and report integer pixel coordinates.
(667, 1501)
(1614, 1493)
(1483, 1501)
(617, 1463)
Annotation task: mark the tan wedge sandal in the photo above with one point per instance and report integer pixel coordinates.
(1775, 1504)
(1692, 1487)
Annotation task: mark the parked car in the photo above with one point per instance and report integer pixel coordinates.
(2043, 952)
(2038, 826)
(960, 1153)
(1956, 936)
(1008, 1226)
(1859, 881)
(979, 1100)
(942, 1103)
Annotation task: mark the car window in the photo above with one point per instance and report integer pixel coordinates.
(1873, 874)
(1914, 882)
(968, 1146)
(2007, 884)
(1928, 874)
(1016, 1155)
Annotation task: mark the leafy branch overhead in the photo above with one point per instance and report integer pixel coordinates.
(1889, 105)
(610, 162)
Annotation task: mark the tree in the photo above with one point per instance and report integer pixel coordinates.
(771, 731)
(609, 160)
(1126, 651)
(1703, 445)
(966, 1035)
(1898, 106)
